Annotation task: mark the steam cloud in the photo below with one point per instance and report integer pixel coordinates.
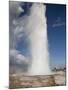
(35, 28)
(38, 41)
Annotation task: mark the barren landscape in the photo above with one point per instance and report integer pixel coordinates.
(24, 81)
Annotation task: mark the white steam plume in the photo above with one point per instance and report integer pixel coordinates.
(38, 41)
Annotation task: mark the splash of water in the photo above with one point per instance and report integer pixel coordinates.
(38, 41)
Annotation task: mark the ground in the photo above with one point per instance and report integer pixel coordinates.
(24, 81)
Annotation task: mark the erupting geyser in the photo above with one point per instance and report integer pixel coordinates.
(38, 41)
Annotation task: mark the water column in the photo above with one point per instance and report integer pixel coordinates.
(38, 41)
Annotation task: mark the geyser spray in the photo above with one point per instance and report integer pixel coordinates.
(38, 41)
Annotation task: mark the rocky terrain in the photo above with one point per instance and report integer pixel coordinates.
(24, 81)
